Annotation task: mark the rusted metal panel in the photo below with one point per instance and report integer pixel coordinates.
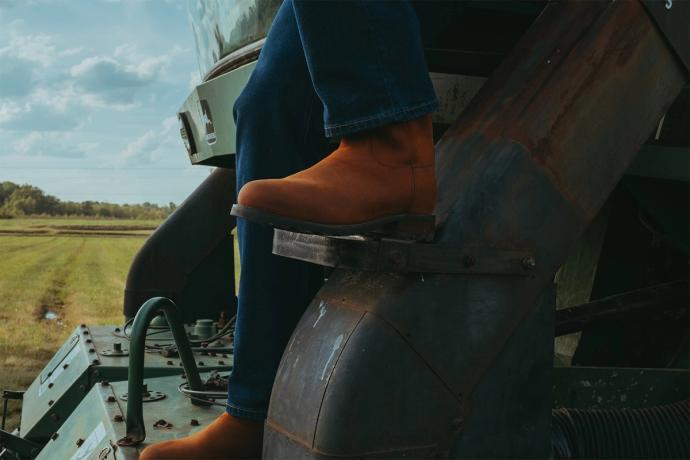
(528, 164)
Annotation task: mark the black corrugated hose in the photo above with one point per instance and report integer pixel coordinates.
(660, 432)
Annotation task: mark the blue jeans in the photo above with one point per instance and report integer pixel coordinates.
(327, 69)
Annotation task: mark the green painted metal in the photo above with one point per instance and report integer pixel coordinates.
(17, 446)
(40, 418)
(618, 388)
(219, 93)
(92, 430)
(136, 432)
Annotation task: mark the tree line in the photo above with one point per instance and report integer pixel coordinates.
(26, 200)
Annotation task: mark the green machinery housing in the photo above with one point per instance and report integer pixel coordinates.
(549, 318)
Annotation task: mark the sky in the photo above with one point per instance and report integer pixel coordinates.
(89, 91)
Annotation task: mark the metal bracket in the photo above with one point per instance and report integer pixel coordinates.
(18, 445)
(390, 255)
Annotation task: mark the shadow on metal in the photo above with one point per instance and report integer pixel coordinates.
(409, 364)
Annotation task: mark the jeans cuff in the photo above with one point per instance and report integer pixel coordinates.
(249, 414)
(397, 115)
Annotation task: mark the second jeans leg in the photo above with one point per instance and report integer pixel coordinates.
(279, 131)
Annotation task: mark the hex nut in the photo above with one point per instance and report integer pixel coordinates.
(117, 418)
(54, 436)
(80, 441)
(110, 399)
(194, 422)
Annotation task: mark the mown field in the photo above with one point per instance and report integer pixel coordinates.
(54, 275)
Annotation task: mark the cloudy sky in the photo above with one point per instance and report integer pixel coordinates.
(89, 90)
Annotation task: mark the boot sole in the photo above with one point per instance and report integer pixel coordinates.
(404, 226)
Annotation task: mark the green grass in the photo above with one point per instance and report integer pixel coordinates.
(75, 268)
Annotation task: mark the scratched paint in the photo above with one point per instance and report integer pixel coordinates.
(336, 346)
(322, 312)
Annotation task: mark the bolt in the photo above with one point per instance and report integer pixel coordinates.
(201, 363)
(80, 441)
(50, 373)
(65, 366)
(469, 261)
(104, 383)
(92, 350)
(528, 263)
(117, 418)
(110, 399)
(169, 363)
(50, 385)
(194, 422)
(95, 362)
(117, 346)
(86, 332)
(55, 417)
(50, 403)
(221, 362)
(54, 436)
(88, 340)
(117, 329)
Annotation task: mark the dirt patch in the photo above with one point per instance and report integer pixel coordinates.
(52, 301)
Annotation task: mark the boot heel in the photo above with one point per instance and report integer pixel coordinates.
(415, 228)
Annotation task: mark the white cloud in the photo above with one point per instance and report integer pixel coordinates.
(152, 145)
(50, 144)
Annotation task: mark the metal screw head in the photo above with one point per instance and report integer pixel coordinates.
(194, 422)
(88, 340)
(529, 263)
(65, 366)
(104, 383)
(169, 363)
(85, 332)
(221, 362)
(50, 385)
(50, 403)
(55, 417)
(110, 399)
(95, 362)
(117, 329)
(54, 436)
(92, 350)
(201, 363)
(80, 441)
(117, 418)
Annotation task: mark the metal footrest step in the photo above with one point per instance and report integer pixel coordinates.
(392, 255)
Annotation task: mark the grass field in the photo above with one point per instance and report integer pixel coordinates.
(54, 275)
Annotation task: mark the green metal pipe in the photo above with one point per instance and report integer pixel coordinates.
(136, 433)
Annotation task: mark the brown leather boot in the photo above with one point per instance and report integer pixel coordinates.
(380, 181)
(227, 437)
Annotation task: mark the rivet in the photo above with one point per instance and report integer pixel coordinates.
(117, 418)
(194, 422)
(117, 329)
(88, 340)
(92, 350)
(95, 362)
(54, 436)
(50, 403)
(529, 263)
(201, 363)
(65, 366)
(221, 362)
(50, 385)
(110, 398)
(86, 332)
(80, 441)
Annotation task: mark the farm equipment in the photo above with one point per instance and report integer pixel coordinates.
(548, 318)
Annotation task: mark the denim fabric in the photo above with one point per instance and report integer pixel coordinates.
(327, 69)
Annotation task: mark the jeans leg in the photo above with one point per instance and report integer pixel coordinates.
(279, 132)
(366, 62)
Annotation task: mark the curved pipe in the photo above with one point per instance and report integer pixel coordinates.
(189, 258)
(136, 432)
